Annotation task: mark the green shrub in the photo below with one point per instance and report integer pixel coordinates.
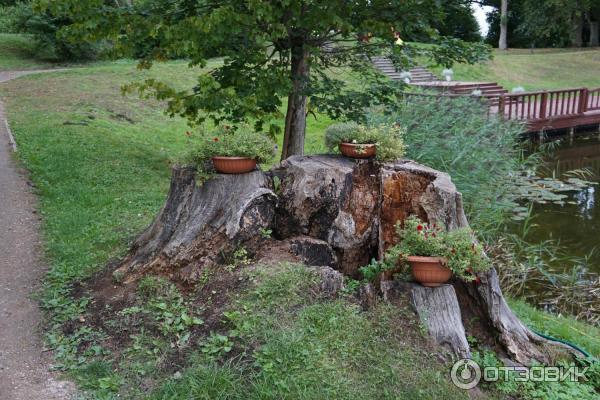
(50, 44)
(387, 137)
(230, 141)
(8, 19)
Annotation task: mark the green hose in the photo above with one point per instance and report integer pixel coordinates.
(571, 345)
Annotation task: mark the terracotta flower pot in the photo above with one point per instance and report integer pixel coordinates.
(234, 165)
(429, 271)
(358, 150)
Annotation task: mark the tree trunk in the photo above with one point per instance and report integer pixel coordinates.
(594, 33)
(335, 212)
(295, 119)
(577, 31)
(503, 43)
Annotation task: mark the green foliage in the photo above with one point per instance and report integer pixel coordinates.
(459, 21)
(227, 141)
(537, 390)
(387, 138)
(307, 353)
(271, 50)
(8, 19)
(538, 24)
(49, 43)
(239, 257)
(216, 345)
(464, 256)
(452, 50)
(481, 154)
(266, 233)
(164, 305)
(99, 377)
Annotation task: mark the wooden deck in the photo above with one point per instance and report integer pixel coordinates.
(541, 110)
(552, 109)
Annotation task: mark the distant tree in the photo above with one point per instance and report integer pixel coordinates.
(459, 21)
(550, 23)
(593, 18)
(515, 38)
(272, 50)
(503, 41)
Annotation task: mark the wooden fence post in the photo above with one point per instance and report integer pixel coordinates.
(501, 106)
(583, 99)
(543, 105)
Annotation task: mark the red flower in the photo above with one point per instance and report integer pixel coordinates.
(420, 228)
(216, 139)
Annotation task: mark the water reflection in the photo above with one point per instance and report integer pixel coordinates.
(576, 223)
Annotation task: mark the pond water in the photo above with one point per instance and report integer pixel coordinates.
(576, 222)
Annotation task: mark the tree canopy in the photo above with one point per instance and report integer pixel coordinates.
(552, 23)
(271, 50)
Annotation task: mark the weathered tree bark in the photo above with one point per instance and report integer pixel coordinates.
(199, 225)
(330, 212)
(503, 42)
(438, 309)
(295, 119)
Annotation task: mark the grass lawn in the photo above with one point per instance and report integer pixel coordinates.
(537, 70)
(561, 327)
(100, 164)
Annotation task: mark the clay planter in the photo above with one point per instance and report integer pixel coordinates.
(358, 150)
(429, 271)
(234, 165)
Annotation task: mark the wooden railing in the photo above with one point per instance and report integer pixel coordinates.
(593, 99)
(532, 106)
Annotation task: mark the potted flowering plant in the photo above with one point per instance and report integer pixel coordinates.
(233, 150)
(434, 254)
(358, 141)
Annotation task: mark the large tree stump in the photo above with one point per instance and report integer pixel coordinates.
(199, 225)
(332, 212)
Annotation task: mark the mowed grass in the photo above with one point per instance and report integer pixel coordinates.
(324, 349)
(100, 161)
(537, 69)
(561, 327)
(17, 53)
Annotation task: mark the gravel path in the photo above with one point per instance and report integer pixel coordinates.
(24, 366)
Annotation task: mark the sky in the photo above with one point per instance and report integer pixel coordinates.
(480, 16)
